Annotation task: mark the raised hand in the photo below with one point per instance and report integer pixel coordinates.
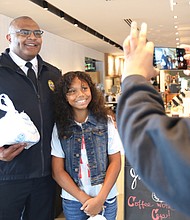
(138, 53)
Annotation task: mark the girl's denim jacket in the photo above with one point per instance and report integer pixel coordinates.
(96, 142)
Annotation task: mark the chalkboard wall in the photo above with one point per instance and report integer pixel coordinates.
(141, 204)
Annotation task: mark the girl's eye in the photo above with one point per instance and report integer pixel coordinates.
(71, 91)
(84, 87)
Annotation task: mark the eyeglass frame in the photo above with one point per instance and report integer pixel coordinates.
(37, 35)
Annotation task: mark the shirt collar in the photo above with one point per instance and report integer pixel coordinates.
(80, 124)
(21, 63)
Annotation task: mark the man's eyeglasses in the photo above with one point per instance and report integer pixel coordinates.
(26, 33)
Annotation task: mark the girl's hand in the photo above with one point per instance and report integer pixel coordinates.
(92, 207)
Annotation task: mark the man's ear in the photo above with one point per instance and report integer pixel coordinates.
(8, 37)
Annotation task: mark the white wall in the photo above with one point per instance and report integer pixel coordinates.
(58, 51)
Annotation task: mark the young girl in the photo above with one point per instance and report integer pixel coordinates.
(85, 149)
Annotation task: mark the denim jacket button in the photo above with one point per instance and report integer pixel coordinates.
(76, 169)
(77, 155)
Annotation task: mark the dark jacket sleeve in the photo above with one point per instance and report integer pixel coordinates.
(157, 146)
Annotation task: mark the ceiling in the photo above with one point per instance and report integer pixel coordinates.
(107, 18)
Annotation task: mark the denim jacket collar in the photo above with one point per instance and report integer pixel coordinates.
(92, 120)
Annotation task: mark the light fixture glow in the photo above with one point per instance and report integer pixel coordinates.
(75, 23)
(62, 15)
(171, 5)
(45, 5)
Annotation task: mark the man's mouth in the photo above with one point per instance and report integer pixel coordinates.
(31, 45)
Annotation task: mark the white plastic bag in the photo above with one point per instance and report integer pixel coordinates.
(16, 127)
(97, 217)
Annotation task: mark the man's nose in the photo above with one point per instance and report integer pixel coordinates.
(32, 35)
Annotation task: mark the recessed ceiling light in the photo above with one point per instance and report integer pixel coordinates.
(177, 38)
(75, 23)
(45, 5)
(176, 26)
(62, 15)
(175, 16)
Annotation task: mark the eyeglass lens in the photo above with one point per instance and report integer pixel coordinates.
(37, 33)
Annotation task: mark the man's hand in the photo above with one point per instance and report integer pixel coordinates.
(187, 56)
(7, 154)
(138, 53)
